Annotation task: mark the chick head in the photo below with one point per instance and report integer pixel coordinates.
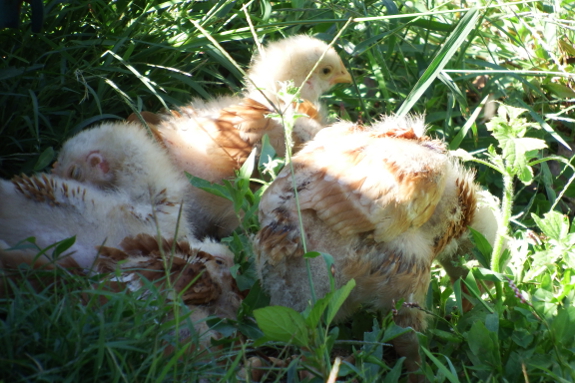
(293, 59)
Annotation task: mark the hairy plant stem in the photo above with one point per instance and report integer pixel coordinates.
(506, 205)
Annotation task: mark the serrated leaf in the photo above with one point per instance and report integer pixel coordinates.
(554, 225)
(517, 152)
(282, 324)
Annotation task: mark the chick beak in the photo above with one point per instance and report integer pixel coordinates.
(342, 77)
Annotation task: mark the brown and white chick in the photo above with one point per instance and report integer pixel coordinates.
(199, 273)
(384, 201)
(110, 182)
(212, 139)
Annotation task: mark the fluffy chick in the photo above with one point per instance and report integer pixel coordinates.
(213, 139)
(51, 209)
(122, 157)
(384, 201)
(110, 182)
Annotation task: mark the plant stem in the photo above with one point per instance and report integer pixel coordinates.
(506, 205)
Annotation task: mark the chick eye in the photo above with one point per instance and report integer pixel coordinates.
(326, 71)
(74, 172)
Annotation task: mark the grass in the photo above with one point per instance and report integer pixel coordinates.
(103, 60)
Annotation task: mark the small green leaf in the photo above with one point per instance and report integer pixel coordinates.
(440, 366)
(446, 336)
(339, 296)
(483, 246)
(63, 246)
(215, 189)
(282, 324)
(44, 159)
(395, 373)
(317, 311)
(248, 167)
(393, 331)
(311, 254)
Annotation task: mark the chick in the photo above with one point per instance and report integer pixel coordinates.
(293, 58)
(384, 201)
(121, 157)
(198, 272)
(212, 139)
(110, 182)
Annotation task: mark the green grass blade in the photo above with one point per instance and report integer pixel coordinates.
(464, 27)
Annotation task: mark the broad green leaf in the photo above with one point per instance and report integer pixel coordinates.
(455, 40)
(282, 324)
(484, 345)
(554, 225)
(339, 296)
(522, 337)
(563, 325)
(492, 322)
(559, 90)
